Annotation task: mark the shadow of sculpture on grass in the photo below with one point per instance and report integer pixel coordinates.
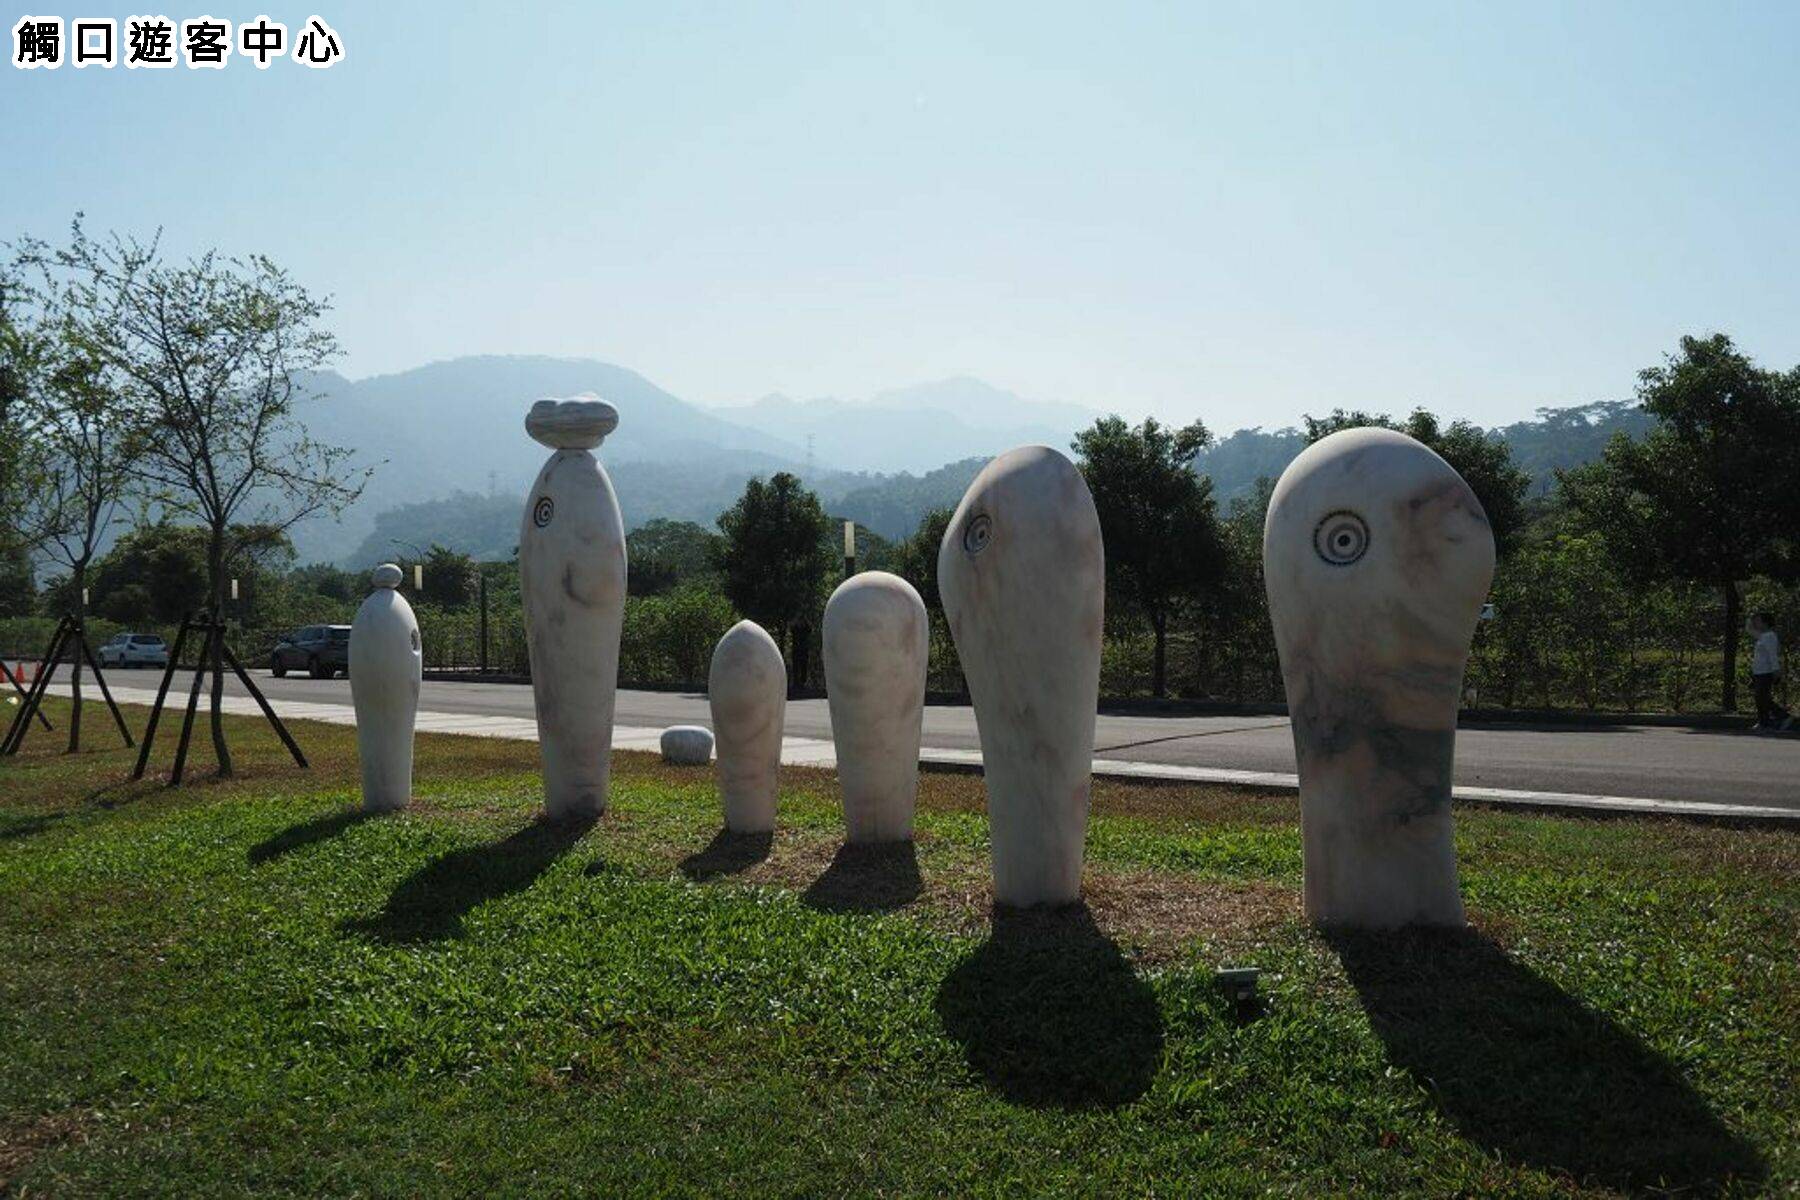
(295, 837)
(1051, 1014)
(867, 877)
(25, 826)
(1526, 1070)
(430, 904)
(727, 854)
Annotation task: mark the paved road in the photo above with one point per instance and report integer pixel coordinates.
(1653, 762)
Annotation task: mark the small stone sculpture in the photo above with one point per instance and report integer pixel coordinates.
(1022, 573)
(1377, 557)
(572, 581)
(385, 668)
(687, 745)
(747, 687)
(877, 643)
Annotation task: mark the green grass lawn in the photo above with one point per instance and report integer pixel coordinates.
(245, 986)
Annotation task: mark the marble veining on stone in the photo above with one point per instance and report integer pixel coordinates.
(1023, 578)
(386, 665)
(1377, 557)
(877, 646)
(572, 584)
(747, 689)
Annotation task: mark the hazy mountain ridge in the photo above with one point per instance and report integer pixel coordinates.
(916, 428)
(458, 426)
(454, 459)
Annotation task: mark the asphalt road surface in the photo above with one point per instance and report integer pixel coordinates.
(1653, 762)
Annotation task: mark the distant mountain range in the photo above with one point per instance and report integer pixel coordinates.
(452, 434)
(452, 460)
(913, 429)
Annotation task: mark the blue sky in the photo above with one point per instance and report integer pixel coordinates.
(1236, 212)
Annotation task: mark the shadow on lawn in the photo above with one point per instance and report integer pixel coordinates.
(1051, 1014)
(28, 826)
(1527, 1070)
(294, 837)
(867, 878)
(727, 854)
(429, 905)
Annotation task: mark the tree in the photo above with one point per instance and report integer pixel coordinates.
(1484, 460)
(18, 583)
(666, 554)
(23, 456)
(1163, 544)
(449, 577)
(206, 352)
(154, 573)
(916, 558)
(82, 439)
(774, 557)
(1708, 494)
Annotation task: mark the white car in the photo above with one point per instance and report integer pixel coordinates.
(135, 650)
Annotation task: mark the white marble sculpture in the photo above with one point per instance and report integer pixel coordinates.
(385, 667)
(572, 579)
(1377, 557)
(1023, 576)
(687, 745)
(877, 647)
(747, 687)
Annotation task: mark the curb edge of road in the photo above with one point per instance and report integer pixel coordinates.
(1563, 803)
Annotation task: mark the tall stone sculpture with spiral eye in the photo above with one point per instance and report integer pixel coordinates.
(1377, 557)
(1022, 573)
(572, 583)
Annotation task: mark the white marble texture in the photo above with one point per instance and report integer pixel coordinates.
(877, 645)
(687, 745)
(385, 668)
(1378, 557)
(1022, 573)
(572, 580)
(747, 688)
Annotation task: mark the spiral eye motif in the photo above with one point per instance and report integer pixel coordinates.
(542, 511)
(1341, 538)
(979, 533)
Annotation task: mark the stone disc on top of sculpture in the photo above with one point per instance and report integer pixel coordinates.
(877, 647)
(747, 689)
(572, 585)
(385, 669)
(1022, 572)
(1378, 557)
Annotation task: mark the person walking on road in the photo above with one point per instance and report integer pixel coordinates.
(1765, 669)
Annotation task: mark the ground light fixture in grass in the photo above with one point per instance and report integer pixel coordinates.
(251, 987)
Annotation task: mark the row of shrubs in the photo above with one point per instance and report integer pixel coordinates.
(1562, 638)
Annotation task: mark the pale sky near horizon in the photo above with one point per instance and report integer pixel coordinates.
(1237, 212)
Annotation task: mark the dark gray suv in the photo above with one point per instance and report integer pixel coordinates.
(320, 650)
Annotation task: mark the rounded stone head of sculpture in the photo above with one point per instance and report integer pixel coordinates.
(1377, 557)
(1022, 573)
(578, 424)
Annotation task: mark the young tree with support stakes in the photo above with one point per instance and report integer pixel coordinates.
(206, 352)
(1163, 543)
(87, 436)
